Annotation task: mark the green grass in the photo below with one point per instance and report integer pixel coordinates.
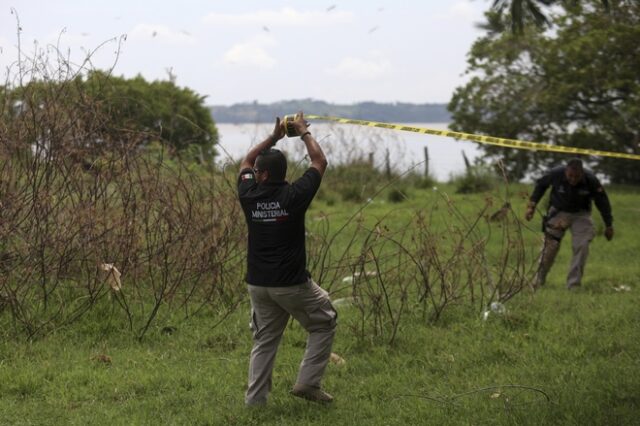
(555, 357)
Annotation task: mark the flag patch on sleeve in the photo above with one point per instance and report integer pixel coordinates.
(247, 176)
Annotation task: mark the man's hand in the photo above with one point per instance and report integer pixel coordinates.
(278, 131)
(608, 233)
(318, 160)
(531, 209)
(249, 160)
(300, 124)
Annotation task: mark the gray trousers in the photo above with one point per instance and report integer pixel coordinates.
(271, 308)
(582, 232)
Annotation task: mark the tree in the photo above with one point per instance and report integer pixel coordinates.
(576, 85)
(97, 110)
(170, 114)
(521, 12)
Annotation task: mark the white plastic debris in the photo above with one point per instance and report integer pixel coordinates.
(622, 287)
(351, 278)
(337, 359)
(494, 307)
(498, 308)
(344, 302)
(113, 276)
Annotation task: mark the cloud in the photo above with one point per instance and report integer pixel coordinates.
(252, 53)
(161, 33)
(360, 69)
(7, 55)
(4, 45)
(462, 10)
(283, 17)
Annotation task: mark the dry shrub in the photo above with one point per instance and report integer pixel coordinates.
(77, 193)
(439, 258)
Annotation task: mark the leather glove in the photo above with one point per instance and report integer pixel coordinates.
(608, 233)
(531, 209)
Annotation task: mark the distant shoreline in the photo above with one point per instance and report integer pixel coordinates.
(255, 112)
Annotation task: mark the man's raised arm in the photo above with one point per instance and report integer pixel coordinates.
(249, 160)
(316, 155)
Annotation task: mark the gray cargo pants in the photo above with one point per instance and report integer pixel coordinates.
(271, 308)
(582, 232)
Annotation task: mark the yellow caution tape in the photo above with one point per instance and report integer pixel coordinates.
(489, 140)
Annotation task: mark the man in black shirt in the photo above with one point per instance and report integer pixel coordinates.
(279, 284)
(572, 190)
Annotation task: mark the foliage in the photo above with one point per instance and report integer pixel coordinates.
(106, 110)
(169, 113)
(577, 85)
(475, 179)
(354, 181)
(419, 181)
(522, 12)
(77, 195)
(169, 231)
(396, 195)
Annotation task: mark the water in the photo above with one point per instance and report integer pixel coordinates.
(346, 142)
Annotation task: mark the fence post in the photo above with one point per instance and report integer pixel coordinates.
(426, 161)
(387, 163)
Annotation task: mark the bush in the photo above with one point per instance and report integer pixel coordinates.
(396, 196)
(87, 199)
(354, 181)
(352, 192)
(475, 179)
(326, 195)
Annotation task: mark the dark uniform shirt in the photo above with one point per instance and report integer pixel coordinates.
(275, 217)
(573, 199)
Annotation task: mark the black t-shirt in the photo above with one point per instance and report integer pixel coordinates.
(275, 217)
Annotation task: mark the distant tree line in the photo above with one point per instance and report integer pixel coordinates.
(254, 112)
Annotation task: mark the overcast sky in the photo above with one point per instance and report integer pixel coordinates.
(269, 50)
